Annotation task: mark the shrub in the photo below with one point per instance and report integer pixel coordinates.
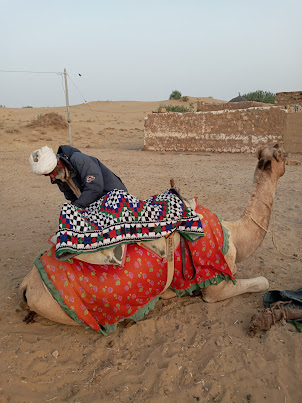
(260, 96)
(185, 99)
(175, 108)
(175, 95)
(26, 106)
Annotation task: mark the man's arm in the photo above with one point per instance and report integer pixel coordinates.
(68, 193)
(91, 178)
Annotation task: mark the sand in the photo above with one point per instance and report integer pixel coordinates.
(184, 350)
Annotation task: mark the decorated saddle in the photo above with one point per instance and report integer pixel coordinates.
(119, 218)
(101, 296)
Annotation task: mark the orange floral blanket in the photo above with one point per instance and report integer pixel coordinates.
(100, 296)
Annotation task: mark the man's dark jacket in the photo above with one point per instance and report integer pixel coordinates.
(92, 177)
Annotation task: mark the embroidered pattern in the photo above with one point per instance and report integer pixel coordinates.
(100, 296)
(119, 217)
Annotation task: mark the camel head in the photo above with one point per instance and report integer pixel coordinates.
(272, 159)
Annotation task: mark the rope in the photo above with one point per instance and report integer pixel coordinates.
(273, 231)
(259, 225)
(274, 239)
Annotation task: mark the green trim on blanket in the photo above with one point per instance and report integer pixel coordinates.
(136, 317)
(104, 328)
(226, 236)
(191, 237)
(79, 252)
(214, 280)
(57, 296)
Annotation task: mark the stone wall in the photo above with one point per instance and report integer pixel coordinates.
(241, 130)
(205, 107)
(289, 98)
(293, 133)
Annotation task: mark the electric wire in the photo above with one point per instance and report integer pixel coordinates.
(76, 88)
(28, 71)
(64, 91)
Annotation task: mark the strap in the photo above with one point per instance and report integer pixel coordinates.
(170, 260)
(183, 242)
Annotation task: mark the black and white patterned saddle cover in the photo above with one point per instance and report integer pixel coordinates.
(119, 217)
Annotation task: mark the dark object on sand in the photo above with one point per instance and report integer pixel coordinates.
(265, 319)
(280, 305)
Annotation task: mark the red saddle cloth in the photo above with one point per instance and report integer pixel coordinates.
(100, 296)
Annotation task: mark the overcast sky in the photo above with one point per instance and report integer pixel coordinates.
(143, 50)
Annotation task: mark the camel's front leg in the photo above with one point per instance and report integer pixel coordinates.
(226, 289)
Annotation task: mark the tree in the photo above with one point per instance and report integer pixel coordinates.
(175, 95)
(260, 96)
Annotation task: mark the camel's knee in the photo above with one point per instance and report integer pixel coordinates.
(259, 284)
(211, 293)
(168, 294)
(228, 289)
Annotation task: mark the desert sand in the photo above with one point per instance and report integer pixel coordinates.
(184, 350)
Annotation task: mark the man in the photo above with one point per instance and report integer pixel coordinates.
(82, 179)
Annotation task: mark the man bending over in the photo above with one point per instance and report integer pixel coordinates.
(82, 179)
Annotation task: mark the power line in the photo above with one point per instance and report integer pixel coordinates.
(77, 88)
(71, 106)
(27, 71)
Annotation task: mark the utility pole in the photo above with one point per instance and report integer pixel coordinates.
(67, 105)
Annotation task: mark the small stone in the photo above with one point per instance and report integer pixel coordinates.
(55, 353)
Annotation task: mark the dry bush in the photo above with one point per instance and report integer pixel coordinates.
(53, 120)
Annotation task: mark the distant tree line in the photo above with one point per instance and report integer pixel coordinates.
(257, 96)
(177, 95)
(260, 96)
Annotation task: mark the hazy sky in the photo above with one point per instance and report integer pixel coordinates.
(143, 50)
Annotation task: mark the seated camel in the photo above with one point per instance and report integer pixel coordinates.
(99, 296)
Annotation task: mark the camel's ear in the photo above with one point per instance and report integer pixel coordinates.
(259, 151)
(277, 155)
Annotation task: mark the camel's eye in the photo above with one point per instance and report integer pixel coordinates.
(267, 165)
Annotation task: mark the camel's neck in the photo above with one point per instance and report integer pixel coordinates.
(249, 232)
(261, 203)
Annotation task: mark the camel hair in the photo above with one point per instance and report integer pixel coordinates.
(245, 236)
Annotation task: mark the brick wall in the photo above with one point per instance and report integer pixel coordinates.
(289, 98)
(205, 107)
(241, 130)
(293, 133)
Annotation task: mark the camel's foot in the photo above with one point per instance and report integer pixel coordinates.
(168, 294)
(227, 289)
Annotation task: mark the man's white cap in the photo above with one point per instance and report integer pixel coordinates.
(43, 161)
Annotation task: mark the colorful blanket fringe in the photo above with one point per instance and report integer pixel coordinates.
(100, 296)
(119, 217)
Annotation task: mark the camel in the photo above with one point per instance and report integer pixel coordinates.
(245, 236)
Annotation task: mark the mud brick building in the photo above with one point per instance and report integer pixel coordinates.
(229, 127)
(289, 98)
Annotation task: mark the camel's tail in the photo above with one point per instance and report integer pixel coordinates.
(22, 293)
